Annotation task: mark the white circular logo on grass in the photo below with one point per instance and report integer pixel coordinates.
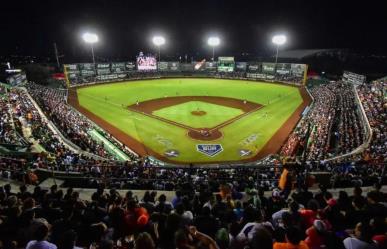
(209, 149)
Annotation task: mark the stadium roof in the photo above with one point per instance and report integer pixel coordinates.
(302, 53)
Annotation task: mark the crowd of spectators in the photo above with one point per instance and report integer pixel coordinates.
(57, 155)
(331, 127)
(71, 123)
(312, 132)
(348, 128)
(7, 132)
(373, 98)
(202, 219)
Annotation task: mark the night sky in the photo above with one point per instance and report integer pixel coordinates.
(125, 27)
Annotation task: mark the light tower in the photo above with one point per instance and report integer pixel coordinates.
(213, 42)
(90, 38)
(158, 41)
(278, 40)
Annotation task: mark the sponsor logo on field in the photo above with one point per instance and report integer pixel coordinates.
(209, 149)
(250, 139)
(171, 153)
(165, 142)
(244, 152)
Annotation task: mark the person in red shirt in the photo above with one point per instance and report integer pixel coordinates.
(136, 217)
(316, 238)
(309, 215)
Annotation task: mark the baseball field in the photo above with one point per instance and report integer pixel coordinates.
(194, 120)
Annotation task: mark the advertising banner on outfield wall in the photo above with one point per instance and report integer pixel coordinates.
(268, 68)
(103, 66)
(283, 68)
(162, 66)
(107, 77)
(86, 66)
(254, 67)
(187, 67)
(240, 66)
(298, 69)
(118, 67)
(71, 67)
(103, 71)
(87, 72)
(130, 66)
(174, 66)
(211, 66)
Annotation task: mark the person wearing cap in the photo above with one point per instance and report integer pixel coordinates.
(275, 203)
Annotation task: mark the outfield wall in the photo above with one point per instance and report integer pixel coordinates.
(84, 73)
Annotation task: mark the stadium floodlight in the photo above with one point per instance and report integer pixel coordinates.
(158, 41)
(213, 42)
(90, 38)
(278, 40)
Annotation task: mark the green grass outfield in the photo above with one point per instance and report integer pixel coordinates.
(251, 132)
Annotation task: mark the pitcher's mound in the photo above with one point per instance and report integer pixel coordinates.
(198, 113)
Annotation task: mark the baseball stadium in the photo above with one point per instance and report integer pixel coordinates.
(193, 125)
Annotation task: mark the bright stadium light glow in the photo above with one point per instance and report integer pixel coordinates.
(213, 41)
(279, 39)
(90, 37)
(158, 41)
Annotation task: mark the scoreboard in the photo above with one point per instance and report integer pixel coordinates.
(226, 64)
(17, 79)
(353, 78)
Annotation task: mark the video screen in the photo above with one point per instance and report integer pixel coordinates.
(146, 63)
(226, 64)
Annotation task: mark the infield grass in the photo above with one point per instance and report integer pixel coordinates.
(110, 101)
(214, 114)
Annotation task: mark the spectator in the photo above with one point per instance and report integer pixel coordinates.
(293, 240)
(362, 238)
(40, 236)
